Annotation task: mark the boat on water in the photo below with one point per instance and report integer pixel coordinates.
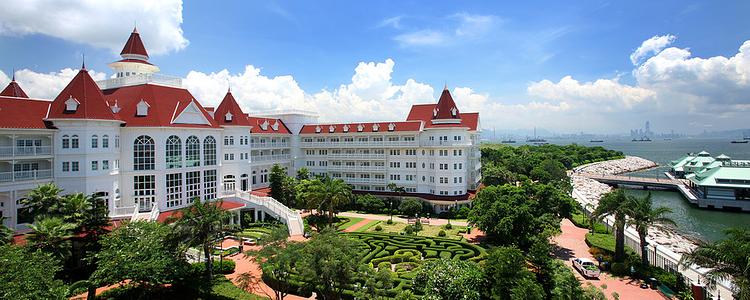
(740, 141)
(508, 141)
(643, 139)
(536, 140)
(596, 141)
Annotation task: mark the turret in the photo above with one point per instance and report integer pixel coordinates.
(134, 58)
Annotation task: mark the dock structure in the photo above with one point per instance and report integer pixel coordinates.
(645, 182)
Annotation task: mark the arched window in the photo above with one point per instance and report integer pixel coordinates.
(192, 152)
(143, 153)
(65, 141)
(174, 152)
(105, 141)
(74, 142)
(95, 141)
(209, 150)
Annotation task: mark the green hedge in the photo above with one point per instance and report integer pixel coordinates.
(223, 267)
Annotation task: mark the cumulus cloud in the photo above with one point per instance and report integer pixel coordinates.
(651, 46)
(607, 94)
(45, 85)
(103, 24)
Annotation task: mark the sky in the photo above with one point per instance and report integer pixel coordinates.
(596, 66)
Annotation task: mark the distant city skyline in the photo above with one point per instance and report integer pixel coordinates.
(599, 67)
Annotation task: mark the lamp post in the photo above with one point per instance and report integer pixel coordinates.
(390, 210)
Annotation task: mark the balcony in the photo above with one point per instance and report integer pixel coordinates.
(20, 176)
(356, 156)
(357, 144)
(140, 79)
(446, 143)
(268, 145)
(10, 151)
(357, 168)
(265, 158)
(364, 180)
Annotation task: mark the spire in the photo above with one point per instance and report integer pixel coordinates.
(134, 47)
(445, 87)
(13, 89)
(14, 75)
(83, 61)
(446, 107)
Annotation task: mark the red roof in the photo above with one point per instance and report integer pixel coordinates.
(165, 105)
(177, 213)
(424, 112)
(445, 107)
(14, 90)
(367, 127)
(134, 45)
(23, 113)
(91, 104)
(256, 122)
(229, 105)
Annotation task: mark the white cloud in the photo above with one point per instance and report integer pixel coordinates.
(459, 26)
(104, 24)
(473, 25)
(394, 22)
(651, 46)
(604, 94)
(421, 38)
(45, 85)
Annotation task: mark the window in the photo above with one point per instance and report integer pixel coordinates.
(94, 165)
(117, 141)
(192, 152)
(395, 164)
(74, 166)
(395, 177)
(209, 151)
(105, 141)
(174, 190)
(74, 142)
(193, 185)
(144, 190)
(105, 164)
(65, 141)
(95, 141)
(174, 152)
(66, 166)
(209, 184)
(143, 153)
(395, 152)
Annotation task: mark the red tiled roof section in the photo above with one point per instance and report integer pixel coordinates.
(14, 90)
(446, 106)
(256, 122)
(366, 127)
(423, 112)
(135, 61)
(91, 101)
(229, 105)
(165, 104)
(134, 45)
(23, 113)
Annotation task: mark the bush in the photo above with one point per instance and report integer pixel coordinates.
(389, 222)
(441, 233)
(384, 265)
(225, 267)
(619, 269)
(378, 228)
(448, 226)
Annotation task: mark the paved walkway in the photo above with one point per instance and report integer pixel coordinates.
(572, 244)
(433, 221)
(358, 225)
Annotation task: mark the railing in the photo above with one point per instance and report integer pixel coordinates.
(292, 218)
(447, 143)
(7, 151)
(355, 155)
(363, 180)
(25, 175)
(284, 112)
(260, 158)
(125, 210)
(268, 145)
(360, 144)
(356, 168)
(140, 79)
(657, 255)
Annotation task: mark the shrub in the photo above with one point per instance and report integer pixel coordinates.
(441, 233)
(448, 226)
(225, 267)
(619, 269)
(378, 228)
(389, 222)
(384, 265)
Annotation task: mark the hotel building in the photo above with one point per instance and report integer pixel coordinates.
(145, 144)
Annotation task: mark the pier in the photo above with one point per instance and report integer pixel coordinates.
(644, 182)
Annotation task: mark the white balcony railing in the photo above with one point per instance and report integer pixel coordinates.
(357, 168)
(364, 180)
(356, 156)
(264, 158)
(140, 79)
(360, 144)
(31, 175)
(268, 145)
(9, 151)
(446, 143)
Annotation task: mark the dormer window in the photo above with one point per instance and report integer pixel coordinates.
(346, 128)
(360, 128)
(331, 128)
(228, 117)
(142, 108)
(454, 111)
(434, 112)
(391, 127)
(275, 126)
(115, 108)
(375, 127)
(264, 125)
(318, 129)
(71, 105)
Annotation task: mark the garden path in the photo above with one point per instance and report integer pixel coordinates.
(358, 225)
(572, 243)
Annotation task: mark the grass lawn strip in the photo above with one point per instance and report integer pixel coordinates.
(372, 223)
(349, 223)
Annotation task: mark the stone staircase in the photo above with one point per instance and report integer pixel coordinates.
(276, 209)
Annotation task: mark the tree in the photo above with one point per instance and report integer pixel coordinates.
(410, 206)
(325, 194)
(277, 258)
(142, 252)
(493, 174)
(200, 224)
(614, 204)
(282, 186)
(726, 259)
(369, 203)
(331, 263)
(28, 274)
(376, 283)
(643, 215)
(449, 279)
(41, 200)
(52, 235)
(303, 174)
(549, 171)
(6, 234)
(505, 272)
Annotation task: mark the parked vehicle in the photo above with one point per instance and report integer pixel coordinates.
(586, 267)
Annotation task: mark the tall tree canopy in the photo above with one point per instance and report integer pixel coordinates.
(449, 279)
(29, 274)
(726, 259)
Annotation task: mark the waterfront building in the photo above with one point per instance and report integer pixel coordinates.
(720, 182)
(144, 144)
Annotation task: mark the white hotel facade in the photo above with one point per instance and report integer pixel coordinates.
(144, 143)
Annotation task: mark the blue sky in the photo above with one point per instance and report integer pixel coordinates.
(509, 59)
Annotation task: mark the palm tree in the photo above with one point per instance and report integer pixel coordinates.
(337, 193)
(41, 200)
(200, 224)
(6, 234)
(643, 215)
(52, 235)
(727, 259)
(613, 203)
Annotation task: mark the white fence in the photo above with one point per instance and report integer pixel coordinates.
(658, 255)
(292, 218)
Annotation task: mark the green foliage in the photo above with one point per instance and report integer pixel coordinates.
(728, 258)
(615, 204)
(549, 171)
(522, 159)
(619, 269)
(324, 194)
(223, 267)
(6, 234)
(643, 215)
(26, 274)
(282, 186)
(441, 233)
(200, 224)
(369, 203)
(410, 206)
(504, 271)
(448, 226)
(142, 252)
(303, 174)
(52, 235)
(378, 228)
(449, 279)
(563, 284)
(329, 262)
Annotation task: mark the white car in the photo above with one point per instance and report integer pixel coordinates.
(586, 267)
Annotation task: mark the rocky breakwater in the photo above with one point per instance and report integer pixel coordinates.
(593, 190)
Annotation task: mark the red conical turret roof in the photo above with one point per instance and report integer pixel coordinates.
(83, 90)
(229, 105)
(14, 90)
(445, 107)
(134, 45)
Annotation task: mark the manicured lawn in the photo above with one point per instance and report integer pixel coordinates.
(396, 227)
(225, 289)
(349, 223)
(427, 230)
(367, 226)
(605, 241)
